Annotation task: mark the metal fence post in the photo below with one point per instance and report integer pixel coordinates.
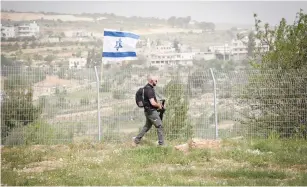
(215, 104)
(98, 105)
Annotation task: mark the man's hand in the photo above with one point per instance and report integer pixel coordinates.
(155, 104)
(160, 106)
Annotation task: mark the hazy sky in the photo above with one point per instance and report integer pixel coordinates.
(240, 12)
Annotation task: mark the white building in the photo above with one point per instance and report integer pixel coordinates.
(154, 49)
(163, 49)
(223, 49)
(8, 32)
(164, 54)
(28, 30)
(205, 56)
(171, 59)
(237, 50)
(77, 63)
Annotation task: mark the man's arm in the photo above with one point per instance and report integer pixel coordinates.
(155, 104)
(152, 100)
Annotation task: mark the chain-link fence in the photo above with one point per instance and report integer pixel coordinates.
(60, 105)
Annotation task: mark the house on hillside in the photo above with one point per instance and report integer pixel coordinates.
(162, 54)
(205, 56)
(28, 30)
(77, 63)
(24, 30)
(236, 50)
(8, 32)
(170, 59)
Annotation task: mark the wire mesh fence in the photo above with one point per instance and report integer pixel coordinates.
(60, 105)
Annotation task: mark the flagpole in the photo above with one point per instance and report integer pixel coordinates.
(99, 84)
(101, 71)
(98, 104)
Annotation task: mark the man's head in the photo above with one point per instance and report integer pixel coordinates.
(153, 80)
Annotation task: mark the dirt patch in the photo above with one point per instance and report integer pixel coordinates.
(59, 148)
(170, 167)
(199, 144)
(299, 167)
(227, 124)
(292, 169)
(52, 81)
(225, 163)
(42, 166)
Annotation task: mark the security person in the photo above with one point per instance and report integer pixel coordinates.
(150, 110)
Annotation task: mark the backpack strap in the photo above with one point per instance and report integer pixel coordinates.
(143, 93)
(143, 96)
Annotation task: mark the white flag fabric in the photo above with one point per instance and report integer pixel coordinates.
(119, 45)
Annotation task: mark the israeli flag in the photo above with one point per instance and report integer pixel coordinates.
(119, 45)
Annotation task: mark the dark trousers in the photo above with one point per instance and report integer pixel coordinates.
(152, 118)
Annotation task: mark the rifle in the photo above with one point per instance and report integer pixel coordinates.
(163, 109)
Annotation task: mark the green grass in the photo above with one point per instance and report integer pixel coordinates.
(257, 162)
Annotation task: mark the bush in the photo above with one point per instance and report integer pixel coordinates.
(277, 98)
(176, 122)
(38, 132)
(117, 94)
(84, 101)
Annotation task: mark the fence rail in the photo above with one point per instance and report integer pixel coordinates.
(58, 105)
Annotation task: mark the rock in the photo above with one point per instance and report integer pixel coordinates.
(206, 144)
(184, 148)
(199, 144)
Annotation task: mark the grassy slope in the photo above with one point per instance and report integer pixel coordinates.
(259, 163)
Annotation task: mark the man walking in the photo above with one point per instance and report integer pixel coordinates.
(150, 110)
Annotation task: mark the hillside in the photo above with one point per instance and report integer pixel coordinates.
(23, 16)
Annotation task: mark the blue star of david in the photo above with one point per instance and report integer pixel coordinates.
(118, 44)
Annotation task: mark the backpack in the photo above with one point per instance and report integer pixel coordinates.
(139, 97)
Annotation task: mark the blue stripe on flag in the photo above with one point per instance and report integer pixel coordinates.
(121, 34)
(118, 54)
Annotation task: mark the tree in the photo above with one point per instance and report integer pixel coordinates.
(33, 45)
(176, 45)
(188, 19)
(251, 44)
(180, 21)
(78, 54)
(176, 122)
(206, 26)
(17, 108)
(6, 61)
(28, 61)
(24, 45)
(211, 26)
(172, 21)
(93, 58)
(234, 29)
(49, 58)
(38, 57)
(286, 43)
(158, 42)
(61, 73)
(277, 93)
(62, 35)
